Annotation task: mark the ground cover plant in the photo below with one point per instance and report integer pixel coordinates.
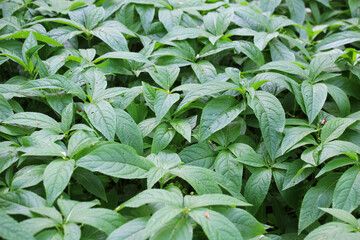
(179, 119)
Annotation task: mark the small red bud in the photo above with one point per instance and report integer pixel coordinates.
(323, 121)
(207, 214)
(37, 123)
(79, 110)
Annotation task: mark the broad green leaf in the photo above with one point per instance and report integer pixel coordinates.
(162, 137)
(284, 66)
(201, 179)
(280, 52)
(181, 33)
(293, 135)
(90, 182)
(163, 102)
(246, 155)
(177, 228)
(56, 177)
(204, 71)
(315, 198)
(334, 128)
(28, 176)
(20, 202)
(297, 10)
(8, 155)
(127, 130)
(170, 18)
(205, 89)
(38, 36)
(333, 230)
(103, 117)
(257, 187)
(296, 173)
(342, 215)
(338, 39)
(199, 154)
(160, 218)
(338, 147)
(5, 108)
(67, 116)
(131, 230)
(215, 225)
(347, 194)
(340, 98)
(165, 76)
(93, 17)
(212, 199)
(218, 113)
(336, 163)
(35, 146)
(103, 219)
(229, 168)
(111, 33)
(137, 57)
(183, 127)
(247, 225)
(250, 50)
(323, 62)
(71, 231)
(35, 225)
(34, 119)
(314, 98)
(117, 160)
(11, 229)
(271, 116)
(153, 196)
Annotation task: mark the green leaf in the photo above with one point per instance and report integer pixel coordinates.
(205, 89)
(215, 225)
(334, 128)
(246, 155)
(181, 33)
(271, 116)
(315, 198)
(35, 225)
(38, 36)
(33, 146)
(28, 176)
(284, 66)
(338, 39)
(102, 116)
(71, 231)
(127, 131)
(199, 154)
(153, 196)
(111, 33)
(183, 127)
(160, 218)
(342, 215)
(56, 177)
(340, 98)
(162, 137)
(218, 113)
(229, 168)
(314, 98)
(170, 18)
(130, 230)
(247, 225)
(177, 228)
(34, 119)
(336, 163)
(137, 57)
(257, 187)
(293, 135)
(11, 229)
(90, 182)
(250, 50)
(165, 76)
(204, 71)
(163, 103)
(201, 179)
(117, 160)
(212, 199)
(103, 219)
(347, 194)
(297, 10)
(5, 108)
(20, 202)
(333, 230)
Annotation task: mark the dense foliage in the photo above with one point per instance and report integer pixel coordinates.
(180, 119)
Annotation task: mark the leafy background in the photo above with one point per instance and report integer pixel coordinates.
(191, 119)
